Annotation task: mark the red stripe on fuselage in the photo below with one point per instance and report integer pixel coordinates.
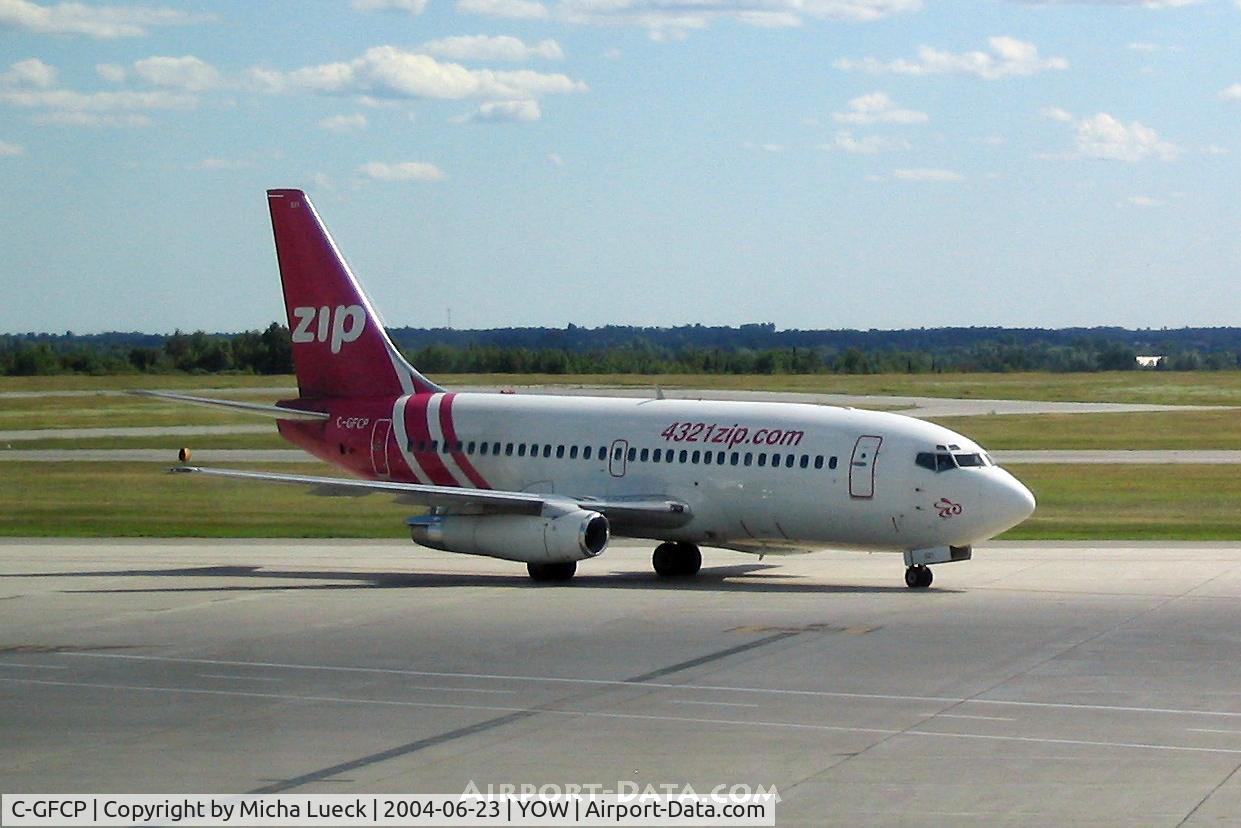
(450, 437)
(419, 431)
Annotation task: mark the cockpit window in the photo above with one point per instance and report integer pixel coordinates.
(942, 461)
(936, 462)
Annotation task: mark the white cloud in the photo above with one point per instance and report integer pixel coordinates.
(1055, 113)
(1145, 201)
(928, 175)
(70, 101)
(344, 123)
(510, 9)
(1151, 48)
(414, 7)
(187, 72)
(673, 19)
(877, 108)
(8, 150)
(483, 47)
(111, 72)
(1106, 137)
(1232, 93)
(498, 111)
(404, 171)
(1149, 4)
(386, 71)
(866, 145)
(103, 22)
(29, 72)
(1008, 57)
(92, 119)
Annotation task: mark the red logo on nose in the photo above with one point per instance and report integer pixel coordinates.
(947, 508)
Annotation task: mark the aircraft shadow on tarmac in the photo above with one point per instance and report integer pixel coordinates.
(753, 577)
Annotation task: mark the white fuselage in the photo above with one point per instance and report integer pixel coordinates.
(767, 477)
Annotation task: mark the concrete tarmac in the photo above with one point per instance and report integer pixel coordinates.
(1037, 684)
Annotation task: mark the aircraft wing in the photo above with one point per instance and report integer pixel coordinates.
(653, 511)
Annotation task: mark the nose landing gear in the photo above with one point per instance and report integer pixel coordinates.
(918, 576)
(673, 560)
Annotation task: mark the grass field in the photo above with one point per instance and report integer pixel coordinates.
(1075, 502)
(1153, 430)
(143, 500)
(1169, 388)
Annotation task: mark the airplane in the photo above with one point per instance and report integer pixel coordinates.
(548, 480)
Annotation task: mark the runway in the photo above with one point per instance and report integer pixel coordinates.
(1039, 683)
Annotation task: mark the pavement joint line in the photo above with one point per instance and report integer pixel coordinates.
(518, 713)
(1171, 711)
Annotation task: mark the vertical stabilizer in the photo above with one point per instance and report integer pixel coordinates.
(340, 347)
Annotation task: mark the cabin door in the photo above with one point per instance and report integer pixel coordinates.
(862, 466)
(617, 457)
(379, 447)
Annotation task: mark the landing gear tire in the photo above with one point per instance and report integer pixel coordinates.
(918, 576)
(551, 572)
(677, 560)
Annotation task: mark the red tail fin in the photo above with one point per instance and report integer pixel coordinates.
(340, 347)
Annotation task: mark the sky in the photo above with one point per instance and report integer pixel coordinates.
(493, 163)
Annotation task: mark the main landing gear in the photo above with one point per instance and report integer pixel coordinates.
(918, 576)
(551, 571)
(673, 560)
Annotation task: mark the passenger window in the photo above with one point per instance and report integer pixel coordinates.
(644, 455)
(572, 452)
(433, 445)
(469, 449)
(603, 452)
(521, 449)
(818, 461)
(749, 458)
(684, 455)
(559, 452)
(508, 449)
(657, 456)
(831, 464)
(547, 450)
(482, 448)
(775, 459)
(534, 449)
(788, 461)
(633, 454)
(586, 452)
(734, 458)
(762, 459)
(805, 461)
(669, 456)
(495, 448)
(719, 458)
(706, 458)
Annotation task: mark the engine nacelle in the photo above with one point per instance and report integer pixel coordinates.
(572, 536)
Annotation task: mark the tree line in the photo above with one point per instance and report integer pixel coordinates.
(749, 349)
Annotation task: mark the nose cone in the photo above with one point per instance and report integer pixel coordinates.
(1009, 501)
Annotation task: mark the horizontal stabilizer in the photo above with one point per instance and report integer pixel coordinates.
(277, 411)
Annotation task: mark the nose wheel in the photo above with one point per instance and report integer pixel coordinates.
(672, 560)
(918, 576)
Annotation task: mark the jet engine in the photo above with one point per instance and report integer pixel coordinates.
(538, 539)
